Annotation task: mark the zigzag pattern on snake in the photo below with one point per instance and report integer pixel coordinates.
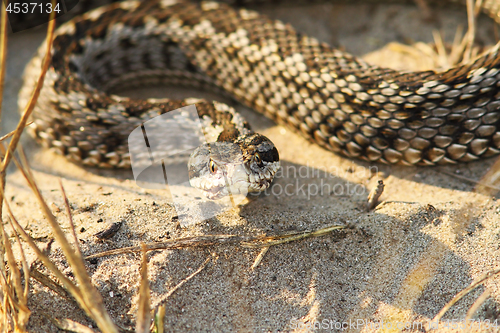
(336, 100)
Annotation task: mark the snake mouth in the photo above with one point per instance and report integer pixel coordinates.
(215, 193)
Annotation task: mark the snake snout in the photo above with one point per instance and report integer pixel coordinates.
(247, 165)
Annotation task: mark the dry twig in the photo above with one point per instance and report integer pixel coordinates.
(259, 258)
(464, 292)
(375, 194)
(474, 307)
(203, 241)
(68, 325)
(144, 312)
(174, 289)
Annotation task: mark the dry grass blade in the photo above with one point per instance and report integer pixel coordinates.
(3, 49)
(464, 292)
(479, 301)
(34, 97)
(144, 312)
(70, 218)
(17, 294)
(69, 325)
(14, 310)
(92, 300)
(471, 33)
(44, 258)
(180, 284)
(160, 307)
(463, 49)
(23, 298)
(196, 241)
(16, 313)
(24, 263)
(20, 317)
(442, 57)
(5, 316)
(49, 283)
(68, 284)
(9, 305)
(281, 239)
(259, 258)
(203, 241)
(159, 319)
(8, 135)
(456, 47)
(92, 307)
(4, 295)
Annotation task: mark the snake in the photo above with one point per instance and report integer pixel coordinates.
(329, 96)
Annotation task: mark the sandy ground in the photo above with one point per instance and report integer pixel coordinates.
(401, 263)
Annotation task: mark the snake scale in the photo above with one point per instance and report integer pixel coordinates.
(332, 98)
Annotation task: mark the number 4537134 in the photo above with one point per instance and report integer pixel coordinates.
(32, 8)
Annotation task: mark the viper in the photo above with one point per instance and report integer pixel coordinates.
(334, 99)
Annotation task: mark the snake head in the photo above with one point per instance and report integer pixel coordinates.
(245, 165)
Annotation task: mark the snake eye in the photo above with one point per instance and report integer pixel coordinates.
(257, 158)
(212, 166)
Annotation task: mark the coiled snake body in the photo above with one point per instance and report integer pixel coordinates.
(336, 100)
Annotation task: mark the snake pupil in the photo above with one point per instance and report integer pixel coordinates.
(257, 158)
(212, 166)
